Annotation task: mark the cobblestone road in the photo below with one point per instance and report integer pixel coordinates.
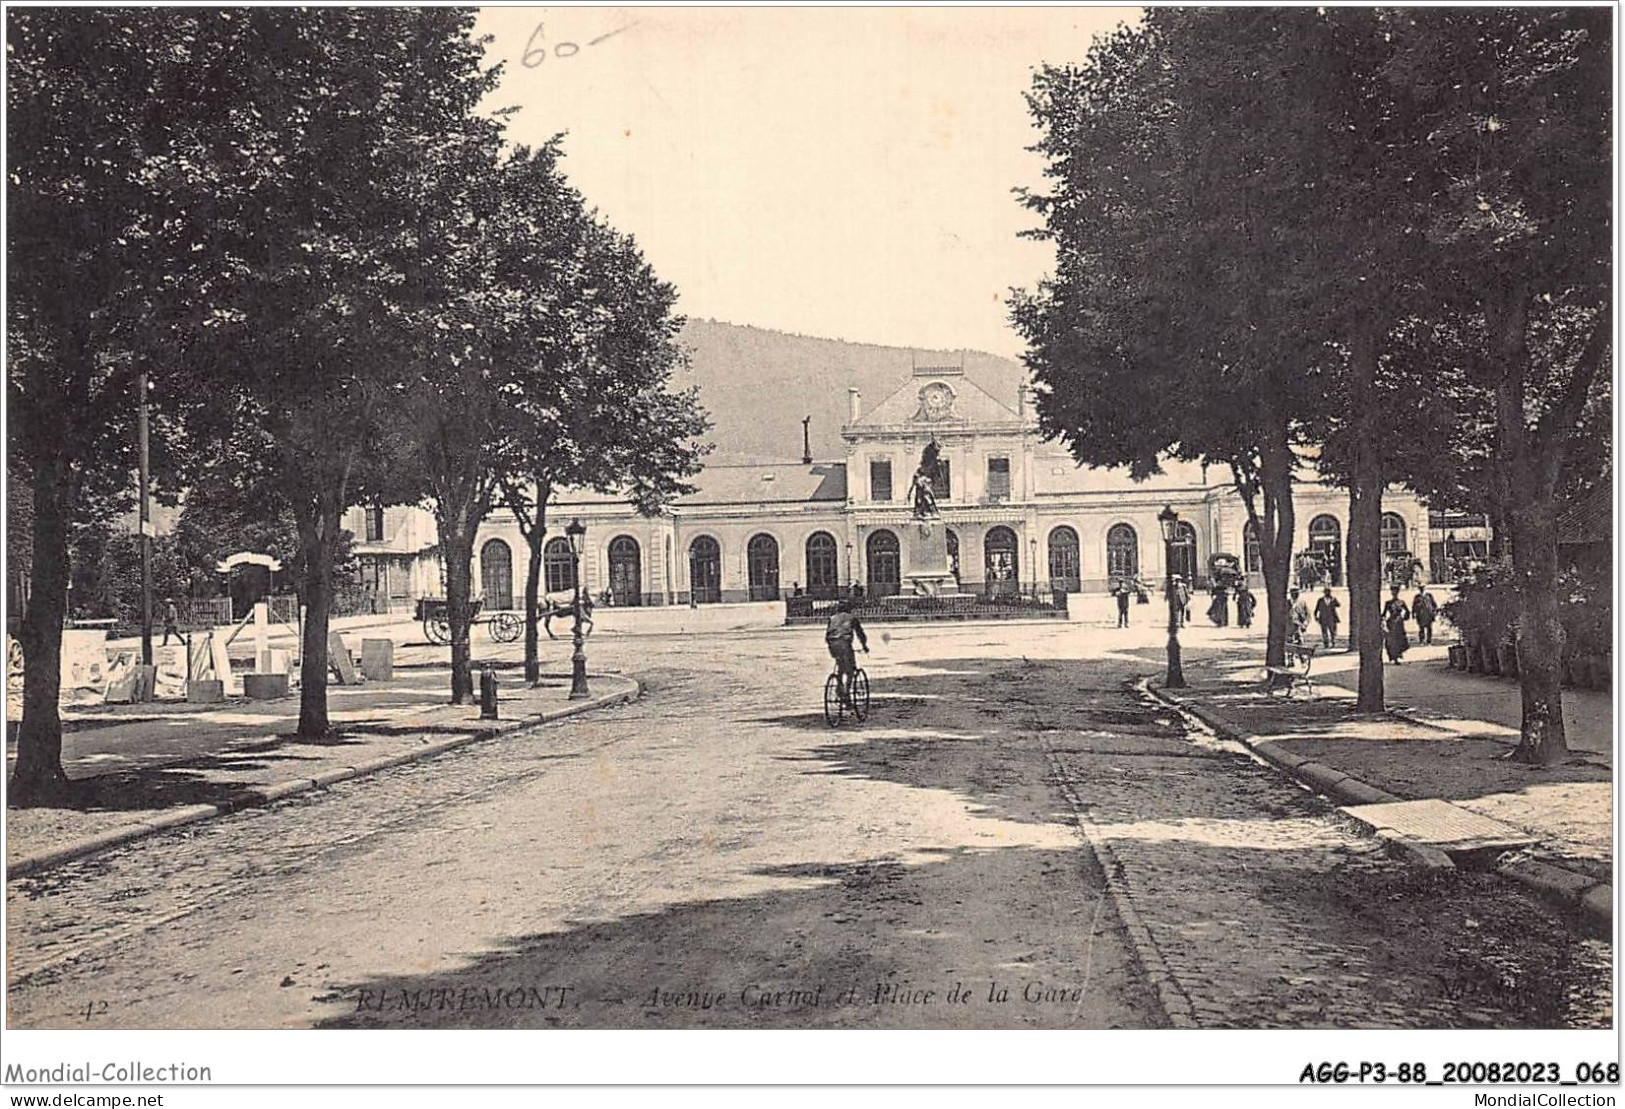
(716, 856)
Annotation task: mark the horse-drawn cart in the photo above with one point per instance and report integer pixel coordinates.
(503, 627)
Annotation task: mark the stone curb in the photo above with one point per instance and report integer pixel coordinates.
(1592, 899)
(265, 795)
(1175, 1004)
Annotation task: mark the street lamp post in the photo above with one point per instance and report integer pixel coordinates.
(1169, 519)
(577, 531)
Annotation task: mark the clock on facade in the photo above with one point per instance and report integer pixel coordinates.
(936, 401)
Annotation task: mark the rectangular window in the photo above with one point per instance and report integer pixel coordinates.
(375, 525)
(880, 479)
(945, 492)
(998, 479)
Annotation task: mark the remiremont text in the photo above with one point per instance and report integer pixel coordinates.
(136, 1072)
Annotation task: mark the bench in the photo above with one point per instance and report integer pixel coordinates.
(1295, 674)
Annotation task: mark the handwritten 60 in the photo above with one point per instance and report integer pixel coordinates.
(536, 48)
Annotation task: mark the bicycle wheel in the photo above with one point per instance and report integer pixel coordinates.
(860, 696)
(832, 700)
(437, 629)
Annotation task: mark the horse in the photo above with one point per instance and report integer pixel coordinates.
(563, 607)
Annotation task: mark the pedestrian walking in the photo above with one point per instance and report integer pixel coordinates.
(1219, 610)
(1122, 593)
(1298, 617)
(1245, 603)
(172, 622)
(1424, 608)
(1394, 615)
(1326, 615)
(1180, 594)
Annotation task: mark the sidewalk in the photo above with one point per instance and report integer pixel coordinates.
(1444, 740)
(141, 769)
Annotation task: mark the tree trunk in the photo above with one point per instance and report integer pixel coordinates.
(1364, 555)
(318, 539)
(534, 538)
(533, 617)
(38, 777)
(1525, 486)
(457, 545)
(1541, 639)
(1275, 544)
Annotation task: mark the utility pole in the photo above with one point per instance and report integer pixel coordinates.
(146, 533)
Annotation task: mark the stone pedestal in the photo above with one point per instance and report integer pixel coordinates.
(928, 570)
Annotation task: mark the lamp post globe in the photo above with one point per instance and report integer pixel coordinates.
(577, 534)
(1169, 519)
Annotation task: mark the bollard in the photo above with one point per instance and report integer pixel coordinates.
(488, 694)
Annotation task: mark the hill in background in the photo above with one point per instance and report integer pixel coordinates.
(758, 384)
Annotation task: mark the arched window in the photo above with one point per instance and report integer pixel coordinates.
(762, 560)
(1326, 541)
(885, 569)
(496, 575)
(823, 566)
(1182, 552)
(1063, 560)
(1251, 550)
(1394, 533)
(704, 570)
(1001, 564)
(625, 571)
(558, 566)
(1122, 552)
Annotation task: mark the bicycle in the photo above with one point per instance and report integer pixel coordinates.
(843, 697)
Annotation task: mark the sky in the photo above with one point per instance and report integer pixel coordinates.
(843, 173)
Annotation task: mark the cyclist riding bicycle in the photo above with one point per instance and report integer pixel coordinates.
(838, 633)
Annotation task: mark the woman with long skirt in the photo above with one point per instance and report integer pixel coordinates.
(1394, 615)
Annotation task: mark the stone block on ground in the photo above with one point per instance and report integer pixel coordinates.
(378, 659)
(206, 691)
(265, 687)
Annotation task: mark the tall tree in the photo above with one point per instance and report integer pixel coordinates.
(99, 104)
(1512, 150)
(316, 255)
(1173, 326)
(609, 420)
(539, 357)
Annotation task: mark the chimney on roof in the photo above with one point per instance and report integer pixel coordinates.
(1021, 402)
(855, 400)
(806, 441)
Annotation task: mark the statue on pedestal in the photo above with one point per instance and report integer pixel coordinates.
(923, 488)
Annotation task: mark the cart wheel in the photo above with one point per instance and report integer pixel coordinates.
(438, 629)
(506, 627)
(832, 700)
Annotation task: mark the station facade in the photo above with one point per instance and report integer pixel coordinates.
(1021, 516)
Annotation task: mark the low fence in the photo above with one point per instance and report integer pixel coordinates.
(1006, 604)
